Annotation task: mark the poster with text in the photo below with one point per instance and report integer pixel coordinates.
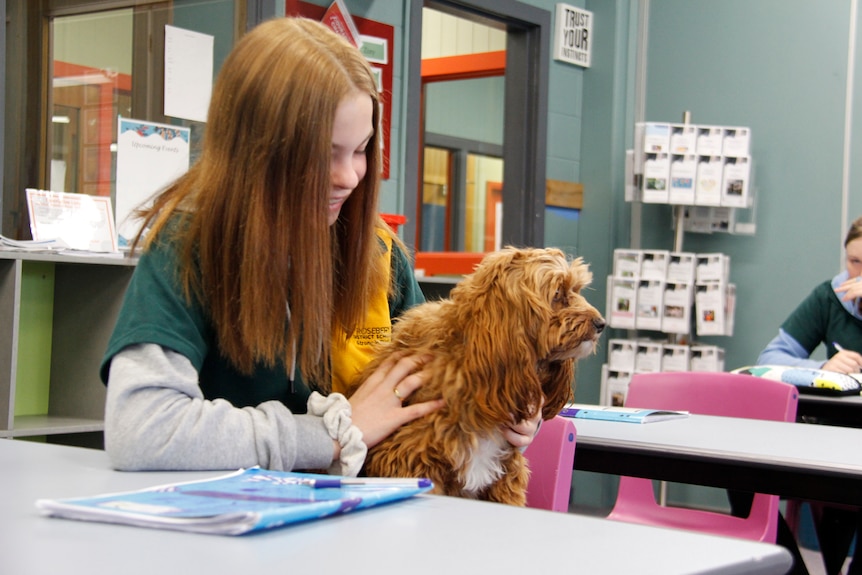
(149, 157)
(573, 35)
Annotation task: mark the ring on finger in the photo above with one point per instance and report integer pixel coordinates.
(397, 394)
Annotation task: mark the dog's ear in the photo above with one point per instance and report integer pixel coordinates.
(498, 328)
(559, 387)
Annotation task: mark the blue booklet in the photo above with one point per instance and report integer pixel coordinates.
(616, 413)
(245, 501)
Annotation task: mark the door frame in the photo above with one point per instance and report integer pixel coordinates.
(526, 111)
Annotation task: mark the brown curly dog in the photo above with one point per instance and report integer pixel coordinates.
(502, 345)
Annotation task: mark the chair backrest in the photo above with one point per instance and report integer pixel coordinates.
(551, 457)
(714, 393)
(706, 393)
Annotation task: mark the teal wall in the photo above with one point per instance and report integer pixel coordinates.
(780, 67)
(478, 114)
(218, 22)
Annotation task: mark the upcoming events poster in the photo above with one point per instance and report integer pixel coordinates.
(149, 157)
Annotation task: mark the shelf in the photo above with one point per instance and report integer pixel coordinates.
(87, 293)
(29, 425)
(67, 258)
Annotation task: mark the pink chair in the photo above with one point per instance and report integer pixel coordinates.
(551, 456)
(706, 393)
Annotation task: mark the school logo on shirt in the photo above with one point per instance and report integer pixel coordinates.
(366, 336)
(350, 356)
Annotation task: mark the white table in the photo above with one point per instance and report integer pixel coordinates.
(426, 534)
(814, 462)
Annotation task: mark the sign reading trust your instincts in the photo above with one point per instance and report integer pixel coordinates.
(573, 36)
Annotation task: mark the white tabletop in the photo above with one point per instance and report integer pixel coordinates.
(792, 459)
(426, 534)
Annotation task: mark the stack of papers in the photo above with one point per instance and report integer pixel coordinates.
(53, 245)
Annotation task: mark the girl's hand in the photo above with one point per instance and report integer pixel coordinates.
(521, 434)
(851, 288)
(377, 404)
(845, 361)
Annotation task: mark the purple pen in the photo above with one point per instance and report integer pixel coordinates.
(369, 482)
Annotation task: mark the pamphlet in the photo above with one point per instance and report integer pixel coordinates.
(709, 300)
(736, 141)
(649, 304)
(675, 357)
(622, 302)
(656, 176)
(676, 305)
(621, 354)
(627, 263)
(648, 356)
(707, 188)
(654, 264)
(734, 188)
(241, 502)
(683, 138)
(615, 385)
(81, 221)
(54, 245)
(707, 358)
(681, 267)
(683, 172)
(617, 413)
(656, 137)
(710, 140)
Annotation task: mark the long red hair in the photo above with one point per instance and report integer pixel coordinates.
(251, 214)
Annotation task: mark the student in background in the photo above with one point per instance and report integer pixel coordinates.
(264, 269)
(831, 315)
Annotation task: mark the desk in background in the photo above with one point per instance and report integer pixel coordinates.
(843, 410)
(814, 462)
(426, 534)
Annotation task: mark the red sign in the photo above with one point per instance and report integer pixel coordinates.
(382, 35)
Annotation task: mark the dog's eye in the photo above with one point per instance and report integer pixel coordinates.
(559, 297)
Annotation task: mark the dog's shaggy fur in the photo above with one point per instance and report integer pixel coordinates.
(503, 344)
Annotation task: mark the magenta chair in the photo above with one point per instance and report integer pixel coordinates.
(551, 457)
(706, 393)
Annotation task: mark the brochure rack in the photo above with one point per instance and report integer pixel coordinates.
(705, 173)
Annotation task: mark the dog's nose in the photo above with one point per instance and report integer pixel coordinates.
(599, 324)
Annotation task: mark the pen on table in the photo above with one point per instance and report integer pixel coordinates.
(365, 482)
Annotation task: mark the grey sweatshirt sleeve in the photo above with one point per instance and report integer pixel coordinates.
(156, 418)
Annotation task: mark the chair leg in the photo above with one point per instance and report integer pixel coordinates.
(792, 514)
(786, 539)
(835, 529)
(740, 506)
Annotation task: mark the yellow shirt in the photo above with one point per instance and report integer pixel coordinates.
(350, 357)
